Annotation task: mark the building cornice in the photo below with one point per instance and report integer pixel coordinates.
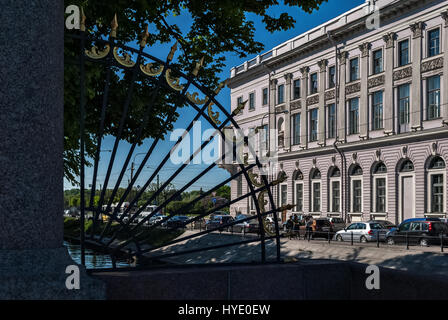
(339, 34)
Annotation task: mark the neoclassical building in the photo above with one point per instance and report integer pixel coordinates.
(361, 114)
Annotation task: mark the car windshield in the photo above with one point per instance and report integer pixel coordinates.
(241, 217)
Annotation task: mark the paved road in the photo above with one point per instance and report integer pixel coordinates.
(416, 259)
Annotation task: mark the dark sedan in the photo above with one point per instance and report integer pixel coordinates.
(177, 222)
(219, 222)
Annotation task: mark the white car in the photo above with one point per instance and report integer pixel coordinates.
(362, 232)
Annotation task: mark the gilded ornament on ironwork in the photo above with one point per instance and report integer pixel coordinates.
(82, 27)
(194, 98)
(281, 179)
(213, 115)
(253, 178)
(96, 53)
(125, 59)
(145, 37)
(240, 108)
(151, 70)
(173, 82)
(198, 67)
(114, 26)
(172, 52)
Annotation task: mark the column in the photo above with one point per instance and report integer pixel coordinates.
(342, 107)
(272, 117)
(304, 113)
(364, 99)
(288, 90)
(322, 80)
(444, 107)
(389, 104)
(33, 260)
(416, 98)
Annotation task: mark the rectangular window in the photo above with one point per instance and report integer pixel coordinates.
(240, 102)
(354, 69)
(296, 129)
(281, 94)
(316, 196)
(299, 197)
(378, 61)
(357, 196)
(433, 110)
(433, 42)
(377, 111)
(332, 77)
(403, 104)
(331, 112)
(354, 116)
(239, 186)
(437, 193)
(252, 101)
(284, 194)
(314, 83)
(380, 199)
(313, 125)
(403, 48)
(264, 139)
(336, 196)
(296, 93)
(265, 96)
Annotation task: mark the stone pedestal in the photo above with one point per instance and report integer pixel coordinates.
(32, 257)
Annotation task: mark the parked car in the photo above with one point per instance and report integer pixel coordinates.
(362, 232)
(414, 220)
(321, 228)
(177, 222)
(156, 218)
(250, 226)
(389, 225)
(142, 216)
(338, 224)
(419, 232)
(219, 221)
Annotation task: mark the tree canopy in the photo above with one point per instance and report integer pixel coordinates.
(217, 27)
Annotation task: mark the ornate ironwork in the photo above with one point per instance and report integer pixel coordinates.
(125, 231)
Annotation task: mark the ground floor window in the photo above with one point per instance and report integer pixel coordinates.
(380, 195)
(356, 195)
(437, 194)
(299, 197)
(335, 196)
(316, 197)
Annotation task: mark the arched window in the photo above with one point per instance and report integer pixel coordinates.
(436, 177)
(298, 190)
(356, 180)
(407, 166)
(379, 189)
(335, 189)
(315, 177)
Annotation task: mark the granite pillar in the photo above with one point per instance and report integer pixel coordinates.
(33, 260)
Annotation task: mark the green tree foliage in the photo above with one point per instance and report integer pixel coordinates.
(217, 27)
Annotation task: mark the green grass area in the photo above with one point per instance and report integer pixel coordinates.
(153, 237)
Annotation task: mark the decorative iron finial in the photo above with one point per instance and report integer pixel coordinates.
(145, 37)
(114, 25)
(198, 67)
(172, 52)
(221, 86)
(83, 21)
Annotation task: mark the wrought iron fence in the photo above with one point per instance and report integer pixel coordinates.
(125, 231)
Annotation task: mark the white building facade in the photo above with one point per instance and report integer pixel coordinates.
(361, 114)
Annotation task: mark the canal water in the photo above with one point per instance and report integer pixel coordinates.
(94, 260)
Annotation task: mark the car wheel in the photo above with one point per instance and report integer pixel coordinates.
(390, 241)
(363, 239)
(424, 242)
(339, 238)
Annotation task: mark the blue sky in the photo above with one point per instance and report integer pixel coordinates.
(305, 22)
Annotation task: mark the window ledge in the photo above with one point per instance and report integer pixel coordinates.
(435, 215)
